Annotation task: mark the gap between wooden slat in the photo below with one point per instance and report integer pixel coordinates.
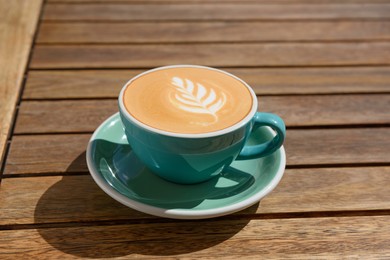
(214, 42)
(262, 95)
(288, 167)
(216, 20)
(260, 2)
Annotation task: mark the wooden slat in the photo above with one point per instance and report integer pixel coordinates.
(66, 153)
(84, 201)
(254, 54)
(337, 146)
(212, 32)
(63, 116)
(47, 154)
(79, 84)
(296, 238)
(123, 12)
(107, 83)
(301, 190)
(317, 110)
(18, 20)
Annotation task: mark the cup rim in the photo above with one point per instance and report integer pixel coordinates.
(241, 123)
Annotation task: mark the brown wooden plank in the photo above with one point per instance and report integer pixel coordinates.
(329, 110)
(337, 146)
(107, 83)
(47, 154)
(63, 116)
(145, 12)
(296, 238)
(66, 153)
(84, 201)
(87, 33)
(18, 20)
(86, 115)
(301, 190)
(249, 54)
(78, 84)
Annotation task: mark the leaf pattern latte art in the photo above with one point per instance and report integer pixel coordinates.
(196, 98)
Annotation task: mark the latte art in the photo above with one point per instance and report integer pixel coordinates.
(196, 98)
(187, 100)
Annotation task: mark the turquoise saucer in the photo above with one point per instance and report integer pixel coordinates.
(119, 173)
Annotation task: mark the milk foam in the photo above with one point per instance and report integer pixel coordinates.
(187, 100)
(193, 97)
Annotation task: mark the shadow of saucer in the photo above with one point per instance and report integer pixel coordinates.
(93, 225)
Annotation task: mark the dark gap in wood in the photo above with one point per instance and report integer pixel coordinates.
(225, 67)
(155, 220)
(337, 165)
(217, 20)
(44, 174)
(212, 21)
(56, 133)
(73, 99)
(209, 42)
(324, 94)
(323, 214)
(221, 67)
(2, 165)
(348, 126)
(288, 167)
(311, 127)
(232, 2)
(258, 95)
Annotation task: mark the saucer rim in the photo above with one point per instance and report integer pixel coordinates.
(179, 213)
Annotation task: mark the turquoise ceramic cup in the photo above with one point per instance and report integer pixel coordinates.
(193, 158)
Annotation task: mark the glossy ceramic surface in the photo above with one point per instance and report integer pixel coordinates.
(194, 158)
(116, 169)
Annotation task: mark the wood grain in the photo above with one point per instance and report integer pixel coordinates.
(296, 238)
(17, 26)
(309, 110)
(63, 116)
(88, 33)
(264, 81)
(182, 12)
(47, 154)
(249, 54)
(301, 190)
(84, 201)
(337, 146)
(78, 84)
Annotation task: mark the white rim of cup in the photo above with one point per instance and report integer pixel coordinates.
(229, 129)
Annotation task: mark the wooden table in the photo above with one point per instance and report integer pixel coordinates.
(322, 65)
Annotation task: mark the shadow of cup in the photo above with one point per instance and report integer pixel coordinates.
(81, 220)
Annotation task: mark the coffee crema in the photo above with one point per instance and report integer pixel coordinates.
(187, 100)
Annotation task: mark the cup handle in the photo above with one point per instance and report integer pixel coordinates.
(264, 149)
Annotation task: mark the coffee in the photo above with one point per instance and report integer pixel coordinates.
(187, 123)
(188, 100)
